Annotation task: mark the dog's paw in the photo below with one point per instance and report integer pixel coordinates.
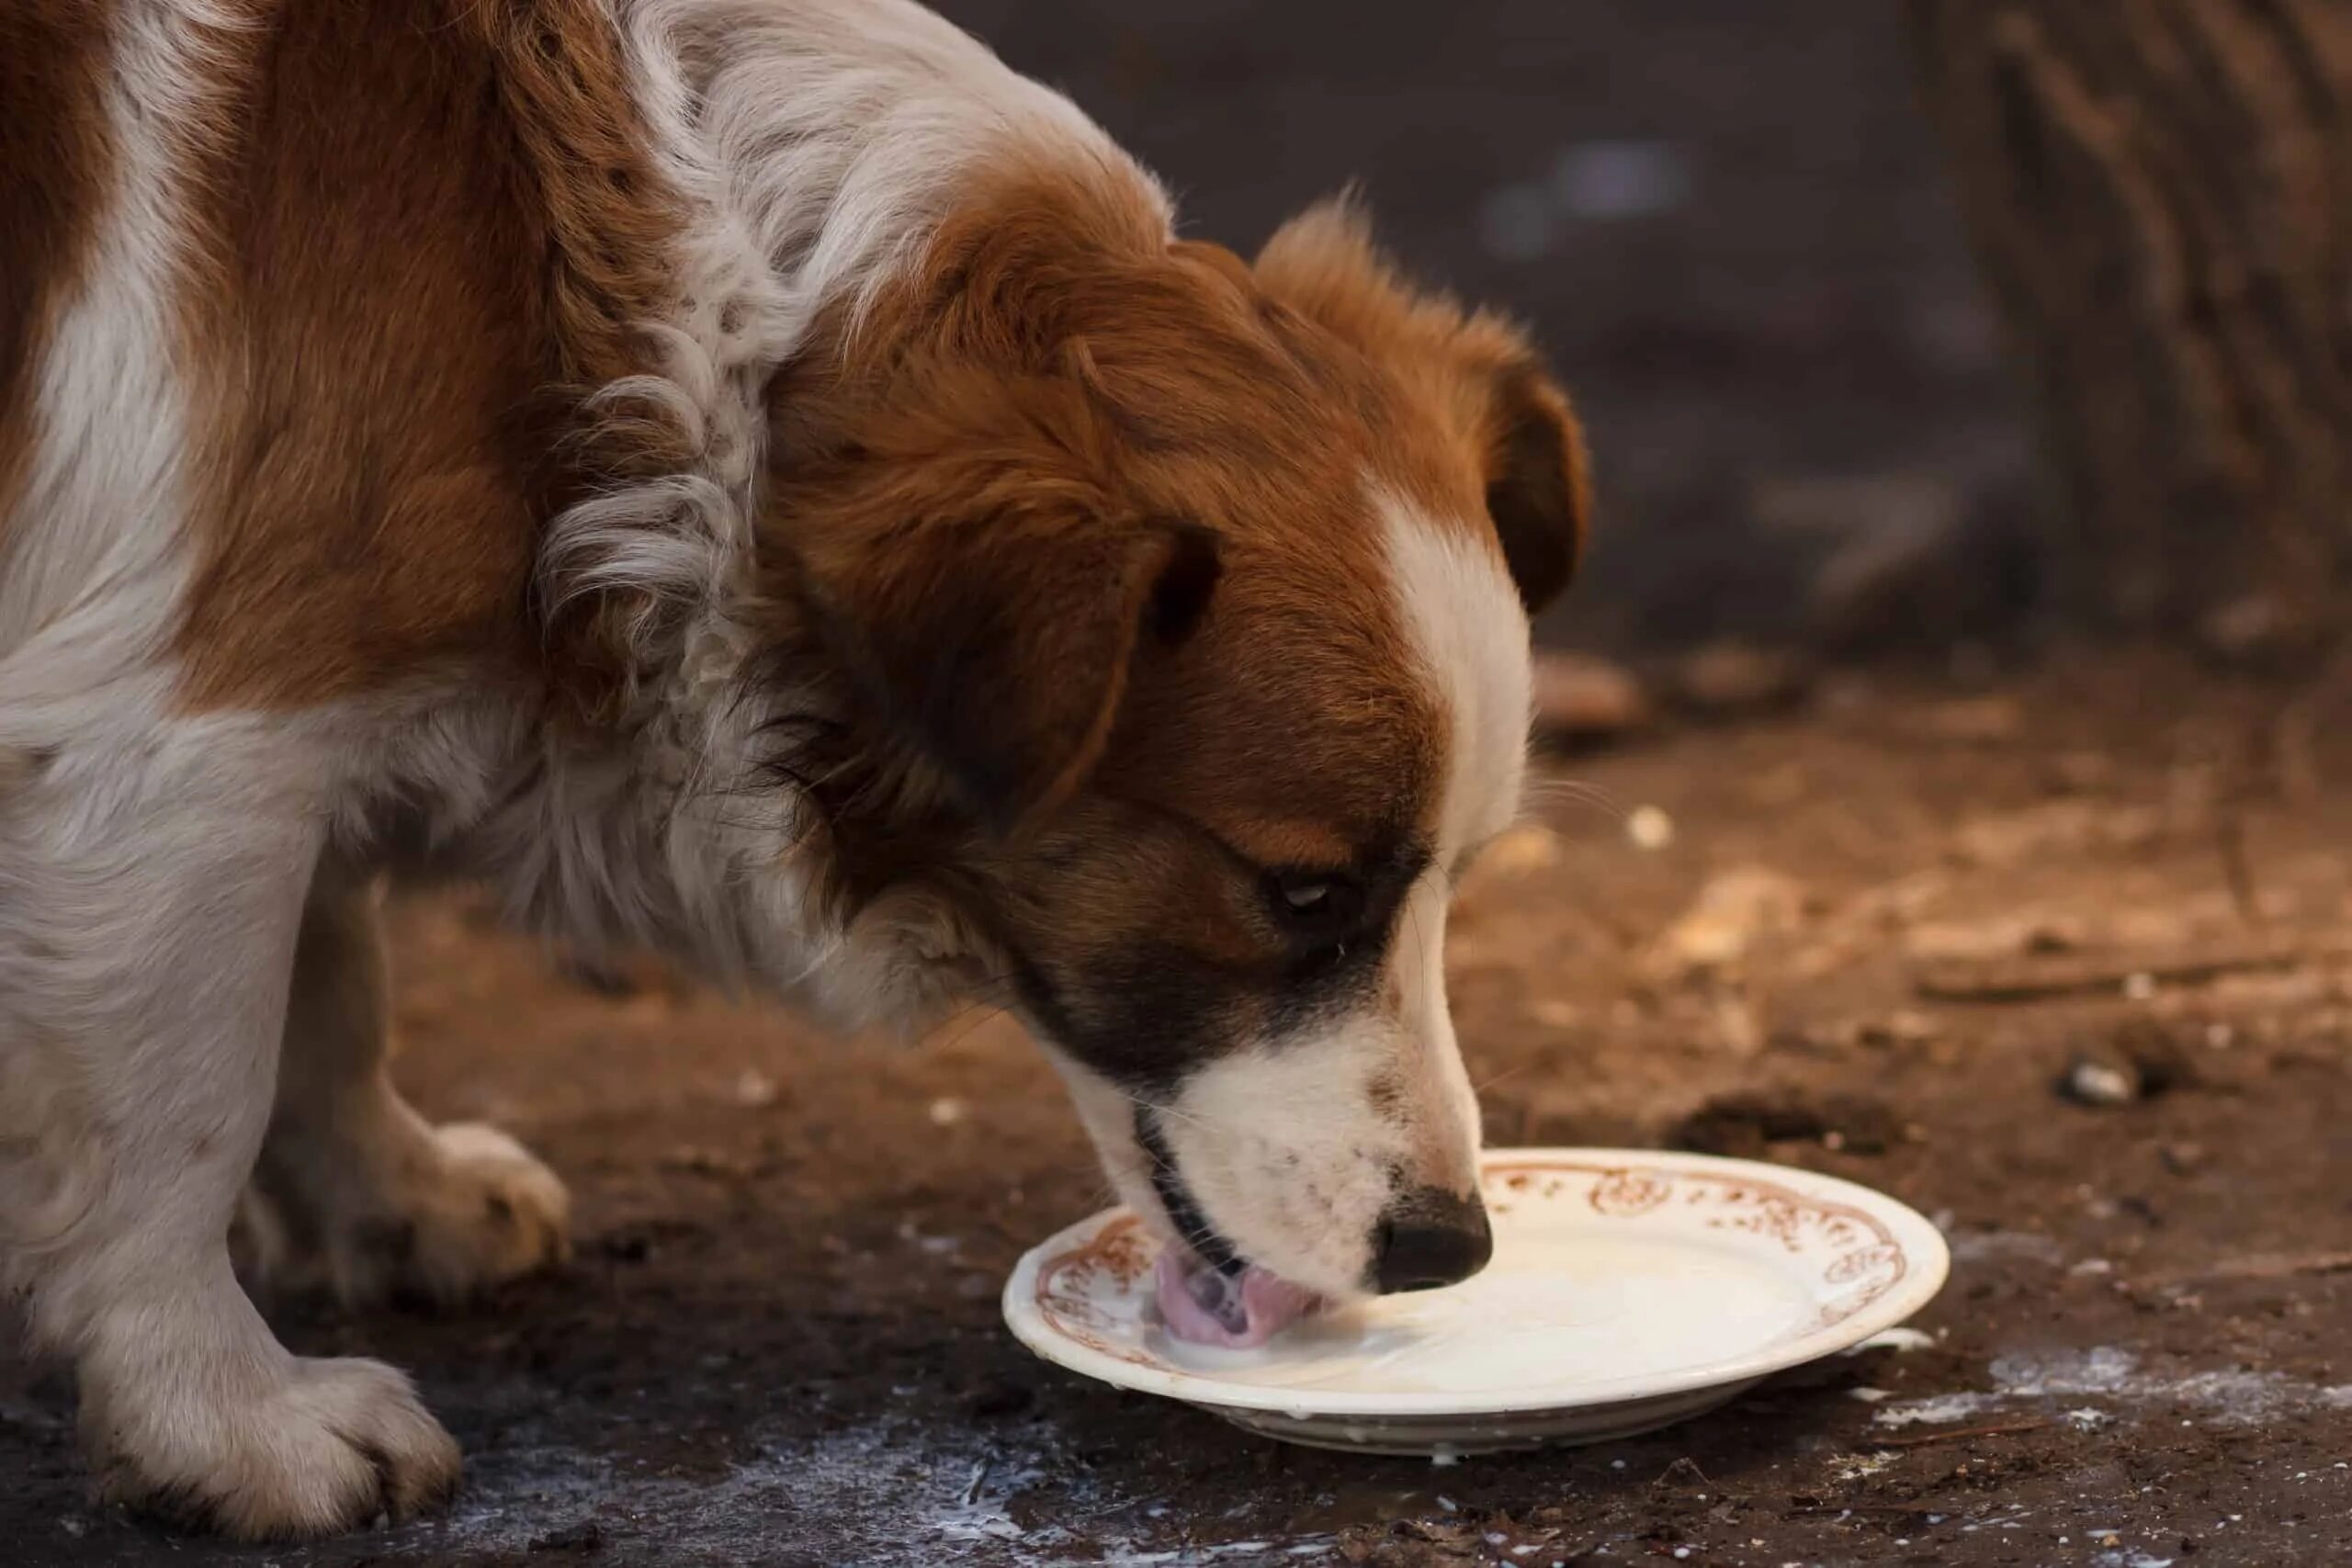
(325, 1446)
(455, 1211)
(489, 1212)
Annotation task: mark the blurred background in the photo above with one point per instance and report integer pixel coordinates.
(1735, 236)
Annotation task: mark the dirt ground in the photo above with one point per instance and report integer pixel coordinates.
(1892, 916)
(1889, 921)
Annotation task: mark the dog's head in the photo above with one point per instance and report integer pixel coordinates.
(1184, 604)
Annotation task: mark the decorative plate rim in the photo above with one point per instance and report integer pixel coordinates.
(1925, 1258)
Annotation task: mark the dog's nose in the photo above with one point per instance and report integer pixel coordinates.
(1430, 1239)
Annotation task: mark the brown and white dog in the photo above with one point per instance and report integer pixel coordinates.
(754, 478)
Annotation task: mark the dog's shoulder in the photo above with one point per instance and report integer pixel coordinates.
(352, 273)
(429, 243)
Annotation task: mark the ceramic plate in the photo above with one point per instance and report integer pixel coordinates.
(1628, 1291)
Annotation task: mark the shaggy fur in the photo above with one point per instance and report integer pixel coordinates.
(752, 478)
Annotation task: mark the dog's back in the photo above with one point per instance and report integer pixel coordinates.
(297, 307)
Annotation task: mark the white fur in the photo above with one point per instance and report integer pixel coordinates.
(136, 849)
(88, 575)
(1467, 620)
(93, 570)
(153, 866)
(818, 143)
(1284, 1144)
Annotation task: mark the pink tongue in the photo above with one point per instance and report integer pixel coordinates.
(1204, 1307)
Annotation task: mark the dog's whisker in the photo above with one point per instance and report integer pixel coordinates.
(1483, 1085)
(1545, 793)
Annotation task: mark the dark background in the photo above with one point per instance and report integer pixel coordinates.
(1728, 223)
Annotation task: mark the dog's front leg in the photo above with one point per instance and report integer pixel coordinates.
(149, 901)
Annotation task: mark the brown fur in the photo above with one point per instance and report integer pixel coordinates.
(1473, 372)
(1058, 387)
(1053, 393)
(1068, 533)
(55, 161)
(430, 240)
(1024, 426)
(1075, 547)
(1078, 577)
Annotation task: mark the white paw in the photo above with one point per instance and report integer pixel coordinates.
(318, 1446)
(493, 1214)
(444, 1215)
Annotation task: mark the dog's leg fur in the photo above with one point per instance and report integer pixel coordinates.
(152, 885)
(356, 1192)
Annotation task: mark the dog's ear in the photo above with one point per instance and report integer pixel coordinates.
(1538, 491)
(998, 647)
(1482, 376)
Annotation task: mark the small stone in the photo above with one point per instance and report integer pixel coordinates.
(1580, 696)
(2256, 629)
(1733, 912)
(2091, 1081)
(754, 1090)
(947, 1113)
(1901, 1029)
(1523, 851)
(1649, 827)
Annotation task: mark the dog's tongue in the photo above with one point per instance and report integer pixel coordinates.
(1202, 1307)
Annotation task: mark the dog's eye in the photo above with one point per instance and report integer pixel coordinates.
(1317, 902)
(1305, 898)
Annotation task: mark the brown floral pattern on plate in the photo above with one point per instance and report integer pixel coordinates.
(1863, 1260)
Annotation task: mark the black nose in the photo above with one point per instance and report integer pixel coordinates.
(1430, 1239)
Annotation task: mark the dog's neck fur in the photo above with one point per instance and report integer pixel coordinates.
(812, 159)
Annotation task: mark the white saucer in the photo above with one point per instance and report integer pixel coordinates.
(1628, 1291)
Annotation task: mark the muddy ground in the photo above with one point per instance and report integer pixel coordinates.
(780, 1343)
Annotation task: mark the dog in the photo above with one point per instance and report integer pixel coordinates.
(758, 481)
